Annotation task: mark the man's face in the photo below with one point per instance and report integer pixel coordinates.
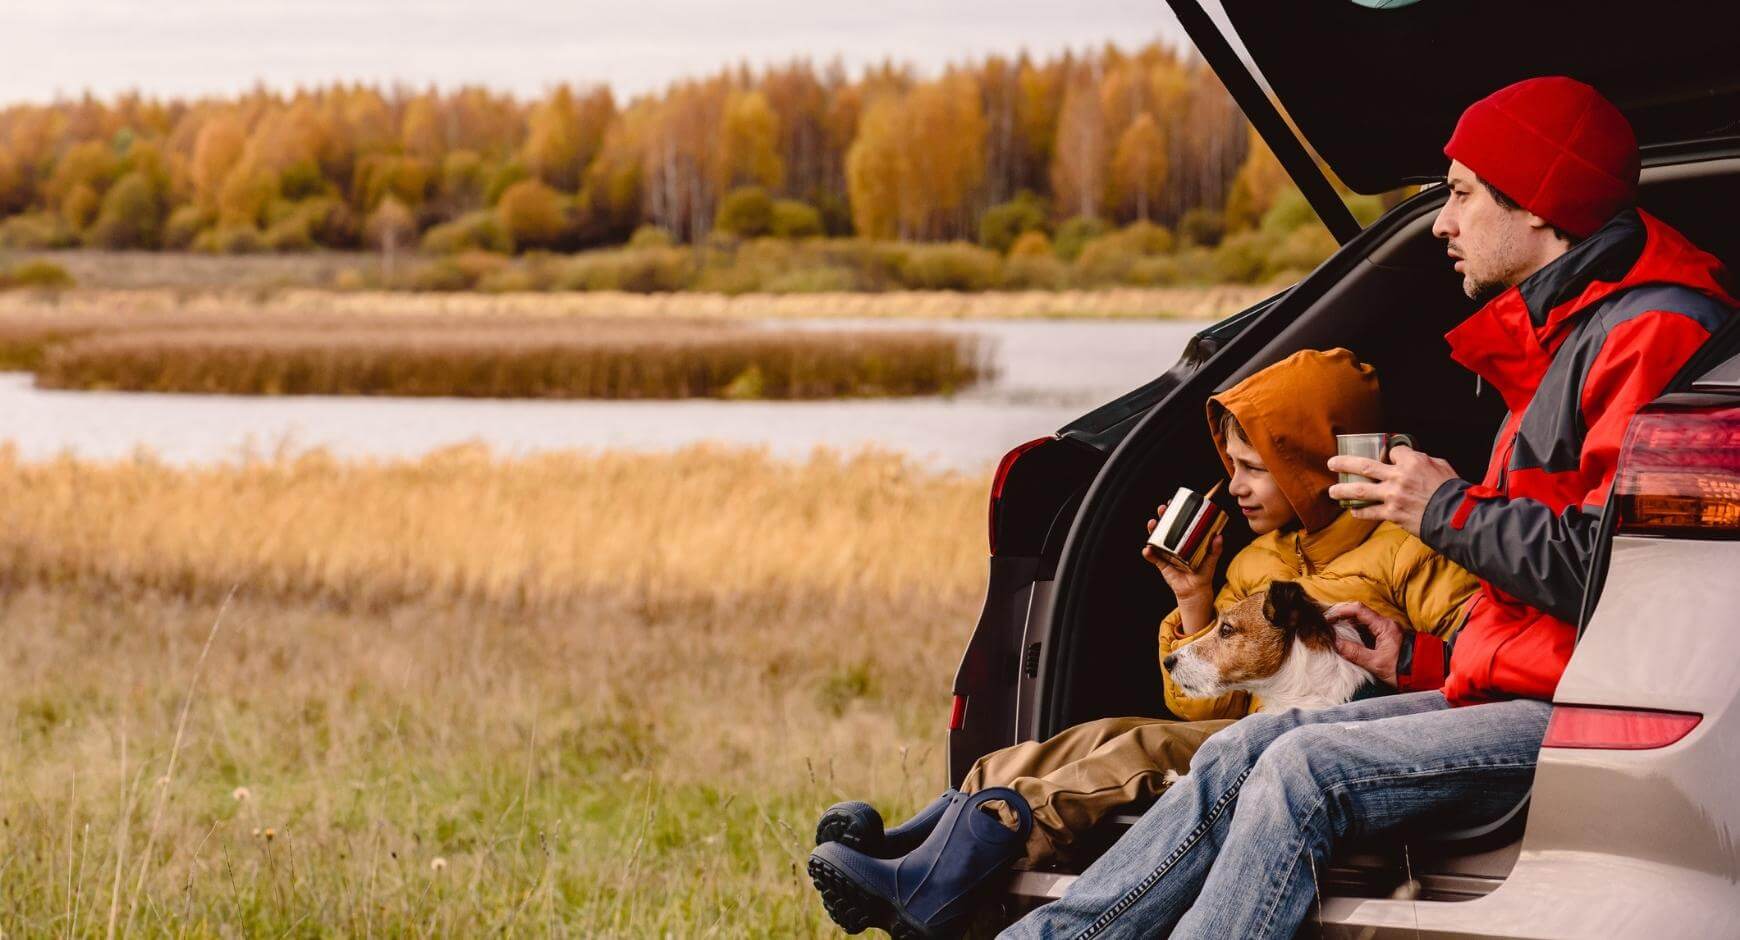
(1493, 246)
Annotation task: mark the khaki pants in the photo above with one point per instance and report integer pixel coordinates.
(1085, 773)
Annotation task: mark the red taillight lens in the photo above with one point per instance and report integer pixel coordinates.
(1616, 729)
(1003, 467)
(958, 714)
(1679, 473)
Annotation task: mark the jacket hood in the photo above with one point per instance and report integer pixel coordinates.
(1510, 341)
(1291, 412)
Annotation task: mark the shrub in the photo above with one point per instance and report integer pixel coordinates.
(532, 215)
(650, 236)
(479, 230)
(330, 222)
(1301, 251)
(1243, 258)
(1073, 235)
(288, 234)
(1105, 260)
(1365, 209)
(1145, 238)
(442, 274)
(1154, 272)
(793, 218)
(639, 270)
(952, 266)
(746, 212)
(503, 179)
(1032, 245)
(1034, 271)
(183, 226)
(131, 215)
(1202, 226)
(230, 240)
(80, 207)
(465, 271)
(44, 275)
(1290, 211)
(817, 280)
(35, 231)
(1004, 223)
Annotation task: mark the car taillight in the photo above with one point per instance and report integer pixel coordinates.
(1679, 473)
(1616, 729)
(1003, 467)
(958, 713)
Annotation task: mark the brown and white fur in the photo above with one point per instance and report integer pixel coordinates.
(1275, 645)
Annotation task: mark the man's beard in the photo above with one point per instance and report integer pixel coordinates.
(1482, 291)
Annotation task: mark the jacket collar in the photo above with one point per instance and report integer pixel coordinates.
(1510, 341)
(1315, 549)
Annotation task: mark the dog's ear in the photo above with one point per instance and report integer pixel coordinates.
(1287, 606)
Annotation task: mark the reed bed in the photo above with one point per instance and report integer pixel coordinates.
(545, 360)
(582, 695)
(288, 352)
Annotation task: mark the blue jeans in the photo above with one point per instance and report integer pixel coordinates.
(1232, 849)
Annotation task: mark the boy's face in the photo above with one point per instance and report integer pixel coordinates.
(1259, 496)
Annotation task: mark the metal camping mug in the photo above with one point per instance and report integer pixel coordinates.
(1189, 526)
(1373, 446)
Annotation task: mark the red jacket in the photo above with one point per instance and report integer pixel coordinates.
(1574, 351)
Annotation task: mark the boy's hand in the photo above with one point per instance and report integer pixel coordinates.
(1386, 634)
(1402, 489)
(1186, 584)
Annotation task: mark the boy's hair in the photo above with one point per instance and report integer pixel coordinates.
(1230, 427)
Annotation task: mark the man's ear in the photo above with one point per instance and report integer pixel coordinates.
(1286, 605)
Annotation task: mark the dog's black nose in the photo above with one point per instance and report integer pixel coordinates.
(1169, 661)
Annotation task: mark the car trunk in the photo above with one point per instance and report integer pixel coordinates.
(1389, 297)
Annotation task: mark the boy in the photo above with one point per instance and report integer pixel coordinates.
(1275, 432)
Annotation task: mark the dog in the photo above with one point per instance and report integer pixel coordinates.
(1276, 645)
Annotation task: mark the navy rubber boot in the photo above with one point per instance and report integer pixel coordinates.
(858, 826)
(930, 892)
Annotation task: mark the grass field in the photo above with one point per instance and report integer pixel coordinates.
(593, 695)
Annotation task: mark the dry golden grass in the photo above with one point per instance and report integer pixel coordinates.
(279, 352)
(547, 359)
(1138, 302)
(601, 696)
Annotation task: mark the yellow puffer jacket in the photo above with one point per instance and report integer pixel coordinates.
(1378, 564)
(1290, 414)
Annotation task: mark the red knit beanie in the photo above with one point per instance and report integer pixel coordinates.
(1555, 146)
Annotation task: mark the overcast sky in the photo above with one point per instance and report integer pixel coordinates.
(190, 47)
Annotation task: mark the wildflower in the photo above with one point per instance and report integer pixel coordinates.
(437, 864)
(240, 794)
(269, 833)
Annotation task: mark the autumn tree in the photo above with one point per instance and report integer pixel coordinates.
(748, 143)
(1139, 167)
(215, 153)
(1078, 164)
(531, 214)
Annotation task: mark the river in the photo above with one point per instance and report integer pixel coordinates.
(1049, 372)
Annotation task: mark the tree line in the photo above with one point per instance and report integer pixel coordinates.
(984, 151)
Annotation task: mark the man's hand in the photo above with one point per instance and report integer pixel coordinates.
(1387, 634)
(1402, 489)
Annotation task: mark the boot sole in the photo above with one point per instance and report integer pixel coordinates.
(856, 910)
(854, 830)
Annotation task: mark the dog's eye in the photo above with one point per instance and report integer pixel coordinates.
(1225, 629)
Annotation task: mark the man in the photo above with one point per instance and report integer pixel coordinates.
(1591, 307)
